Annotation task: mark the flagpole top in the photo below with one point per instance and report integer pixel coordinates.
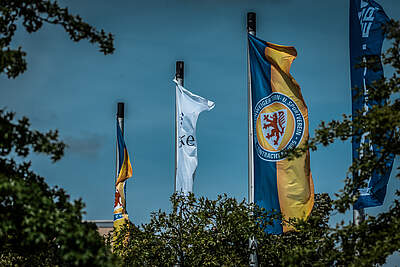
(251, 23)
(179, 72)
(120, 112)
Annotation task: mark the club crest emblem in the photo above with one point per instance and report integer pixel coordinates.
(274, 126)
(118, 205)
(278, 126)
(117, 201)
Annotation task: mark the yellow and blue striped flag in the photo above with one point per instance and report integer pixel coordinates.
(280, 122)
(124, 172)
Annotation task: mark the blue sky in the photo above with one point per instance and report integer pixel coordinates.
(74, 88)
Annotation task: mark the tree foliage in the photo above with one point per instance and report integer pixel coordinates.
(39, 225)
(32, 15)
(203, 232)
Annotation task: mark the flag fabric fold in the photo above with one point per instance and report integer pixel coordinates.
(280, 122)
(124, 173)
(367, 19)
(188, 108)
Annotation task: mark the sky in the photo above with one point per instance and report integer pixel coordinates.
(74, 88)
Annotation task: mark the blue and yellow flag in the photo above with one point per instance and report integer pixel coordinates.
(367, 19)
(124, 172)
(280, 122)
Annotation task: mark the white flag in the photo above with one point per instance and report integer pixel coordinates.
(188, 108)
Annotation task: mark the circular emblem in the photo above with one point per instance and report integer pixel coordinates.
(278, 126)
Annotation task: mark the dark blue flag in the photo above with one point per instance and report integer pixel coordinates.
(367, 19)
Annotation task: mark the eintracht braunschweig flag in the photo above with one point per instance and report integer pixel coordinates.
(124, 172)
(280, 122)
(188, 108)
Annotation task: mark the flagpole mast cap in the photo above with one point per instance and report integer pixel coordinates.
(251, 23)
(120, 111)
(179, 69)
(179, 72)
